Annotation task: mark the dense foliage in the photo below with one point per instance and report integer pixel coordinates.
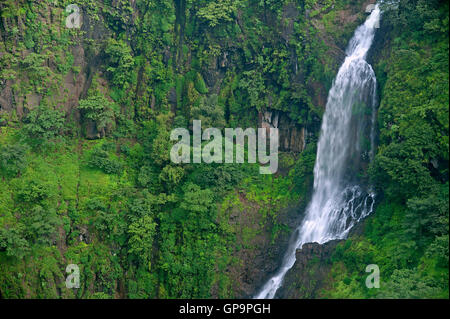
(408, 235)
(85, 121)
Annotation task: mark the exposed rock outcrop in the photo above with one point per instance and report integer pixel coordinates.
(250, 271)
(310, 273)
(292, 137)
(306, 277)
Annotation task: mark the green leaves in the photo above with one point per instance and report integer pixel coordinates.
(408, 283)
(99, 109)
(218, 11)
(13, 240)
(141, 234)
(188, 243)
(102, 160)
(121, 62)
(200, 85)
(209, 112)
(41, 225)
(196, 200)
(43, 124)
(253, 83)
(171, 176)
(413, 118)
(12, 160)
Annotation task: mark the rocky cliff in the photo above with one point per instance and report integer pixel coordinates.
(113, 89)
(311, 273)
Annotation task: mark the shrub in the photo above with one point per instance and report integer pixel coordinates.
(100, 159)
(42, 124)
(12, 160)
(100, 110)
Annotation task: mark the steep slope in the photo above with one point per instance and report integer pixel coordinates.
(407, 236)
(85, 118)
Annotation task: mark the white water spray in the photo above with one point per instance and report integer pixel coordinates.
(337, 203)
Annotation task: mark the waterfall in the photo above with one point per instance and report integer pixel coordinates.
(338, 202)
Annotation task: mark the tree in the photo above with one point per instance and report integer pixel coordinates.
(408, 283)
(13, 240)
(253, 83)
(41, 225)
(218, 11)
(12, 160)
(161, 144)
(142, 232)
(101, 159)
(198, 203)
(121, 62)
(100, 110)
(42, 124)
(188, 245)
(209, 112)
(171, 176)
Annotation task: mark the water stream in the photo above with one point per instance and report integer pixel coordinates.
(338, 201)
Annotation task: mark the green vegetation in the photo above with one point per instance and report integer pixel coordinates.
(85, 121)
(407, 237)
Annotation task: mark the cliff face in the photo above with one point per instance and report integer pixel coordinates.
(45, 62)
(292, 137)
(259, 254)
(132, 71)
(61, 63)
(311, 273)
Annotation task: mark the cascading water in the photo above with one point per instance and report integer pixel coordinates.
(338, 202)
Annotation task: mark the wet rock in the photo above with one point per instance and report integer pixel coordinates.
(311, 270)
(258, 257)
(172, 96)
(84, 235)
(6, 96)
(308, 275)
(292, 137)
(290, 14)
(91, 130)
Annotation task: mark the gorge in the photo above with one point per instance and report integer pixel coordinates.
(337, 204)
(89, 98)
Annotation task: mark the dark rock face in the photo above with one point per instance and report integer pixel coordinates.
(309, 273)
(6, 96)
(255, 265)
(292, 137)
(91, 130)
(290, 14)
